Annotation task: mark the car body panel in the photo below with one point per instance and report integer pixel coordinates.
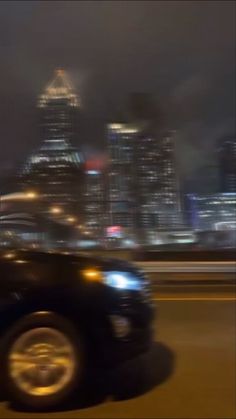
(42, 281)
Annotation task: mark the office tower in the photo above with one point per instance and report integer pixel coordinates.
(55, 170)
(94, 203)
(212, 211)
(227, 164)
(143, 182)
(121, 174)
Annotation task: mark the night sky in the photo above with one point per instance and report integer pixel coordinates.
(183, 52)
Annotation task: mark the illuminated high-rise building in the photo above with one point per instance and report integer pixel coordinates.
(213, 211)
(170, 183)
(157, 186)
(94, 203)
(227, 164)
(143, 185)
(54, 169)
(121, 175)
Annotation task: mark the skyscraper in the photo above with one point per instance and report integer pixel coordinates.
(157, 196)
(213, 211)
(121, 174)
(94, 203)
(170, 211)
(143, 185)
(55, 169)
(227, 164)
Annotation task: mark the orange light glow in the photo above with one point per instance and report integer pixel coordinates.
(56, 210)
(31, 195)
(71, 219)
(93, 275)
(9, 255)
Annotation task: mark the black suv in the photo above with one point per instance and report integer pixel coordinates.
(59, 314)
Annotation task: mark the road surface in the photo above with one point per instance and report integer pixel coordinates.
(190, 372)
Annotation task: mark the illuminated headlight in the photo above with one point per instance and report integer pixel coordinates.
(122, 280)
(115, 279)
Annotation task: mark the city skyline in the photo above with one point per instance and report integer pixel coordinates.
(100, 158)
(135, 196)
(192, 80)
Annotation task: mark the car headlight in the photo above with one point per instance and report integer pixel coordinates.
(115, 279)
(122, 280)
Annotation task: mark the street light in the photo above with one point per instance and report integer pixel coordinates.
(71, 219)
(18, 196)
(56, 210)
(31, 195)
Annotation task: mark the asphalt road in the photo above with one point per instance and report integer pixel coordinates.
(189, 373)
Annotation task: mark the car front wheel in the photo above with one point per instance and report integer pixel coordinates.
(44, 361)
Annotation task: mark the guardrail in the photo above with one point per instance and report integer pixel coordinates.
(190, 267)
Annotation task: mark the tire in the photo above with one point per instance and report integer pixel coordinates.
(44, 361)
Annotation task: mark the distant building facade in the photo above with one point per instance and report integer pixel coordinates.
(158, 186)
(94, 204)
(213, 211)
(227, 164)
(55, 170)
(121, 175)
(143, 191)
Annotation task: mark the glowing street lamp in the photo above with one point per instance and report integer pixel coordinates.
(56, 210)
(71, 219)
(18, 196)
(31, 195)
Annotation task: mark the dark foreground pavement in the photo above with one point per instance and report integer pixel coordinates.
(189, 373)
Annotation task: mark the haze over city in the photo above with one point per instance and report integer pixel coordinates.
(180, 52)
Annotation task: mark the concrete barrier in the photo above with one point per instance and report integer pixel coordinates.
(189, 267)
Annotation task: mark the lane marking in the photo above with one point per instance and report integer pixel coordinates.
(195, 299)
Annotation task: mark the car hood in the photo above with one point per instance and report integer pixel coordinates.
(83, 259)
